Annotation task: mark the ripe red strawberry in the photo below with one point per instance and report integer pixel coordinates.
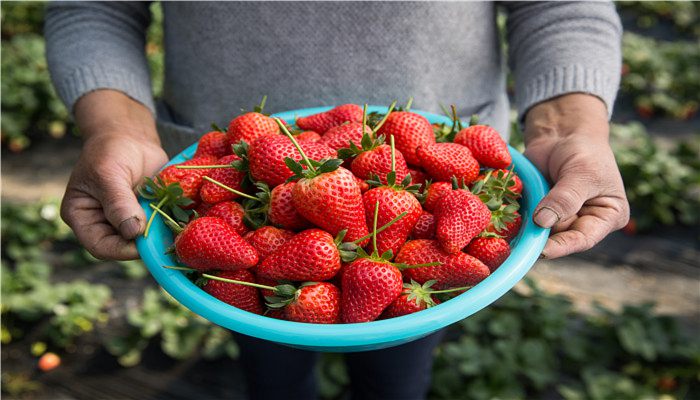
(369, 286)
(364, 186)
(414, 297)
(310, 136)
(425, 226)
(315, 303)
(491, 250)
(281, 210)
(410, 131)
(324, 121)
(213, 144)
(393, 200)
(265, 281)
(231, 212)
(310, 255)
(266, 157)
(445, 160)
(456, 270)
(486, 145)
(377, 161)
(210, 243)
(433, 192)
(332, 201)
(190, 180)
(267, 239)
(201, 209)
(505, 224)
(250, 126)
(460, 216)
(244, 297)
(212, 193)
(340, 137)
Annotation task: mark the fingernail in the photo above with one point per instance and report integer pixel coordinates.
(542, 256)
(546, 217)
(130, 227)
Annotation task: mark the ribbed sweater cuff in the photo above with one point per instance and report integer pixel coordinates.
(86, 79)
(567, 79)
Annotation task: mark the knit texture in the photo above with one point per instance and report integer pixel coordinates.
(224, 56)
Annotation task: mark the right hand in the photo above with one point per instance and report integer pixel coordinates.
(121, 147)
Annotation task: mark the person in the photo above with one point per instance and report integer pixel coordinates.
(220, 57)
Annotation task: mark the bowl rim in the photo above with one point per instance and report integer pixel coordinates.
(525, 251)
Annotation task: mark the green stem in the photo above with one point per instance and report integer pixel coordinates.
(262, 103)
(374, 226)
(385, 226)
(364, 118)
(164, 215)
(203, 166)
(408, 104)
(251, 284)
(296, 144)
(407, 266)
(153, 216)
(379, 125)
(450, 290)
(177, 268)
(230, 189)
(393, 154)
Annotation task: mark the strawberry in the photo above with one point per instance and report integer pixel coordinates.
(505, 223)
(433, 192)
(375, 159)
(310, 136)
(210, 243)
(190, 180)
(213, 144)
(390, 200)
(251, 126)
(459, 216)
(314, 303)
(311, 255)
(231, 212)
(410, 131)
(456, 270)
(267, 239)
(324, 121)
(369, 286)
(244, 297)
(490, 249)
(486, 146)
(231, 177)
(442, 161)
(425, 226)
(281, 211)
(364, 186)
(340, 137)
(267, 282)
(414, 297)
(267, 154)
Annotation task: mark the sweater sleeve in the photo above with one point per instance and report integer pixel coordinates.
(555, 48)
(98, 45)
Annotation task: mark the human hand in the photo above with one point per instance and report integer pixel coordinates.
(567, 139)
(121, 147)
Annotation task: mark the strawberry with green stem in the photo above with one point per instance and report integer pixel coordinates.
(411, 131)
(327, 195)
(310, 302)
(460, 216)
(416, 297)
(485, 144)
(371, 282)
(347, 134)
(209, 243)
(394, 198)
(489, 248)
(214, 143)
(252, 125)
(322, 122)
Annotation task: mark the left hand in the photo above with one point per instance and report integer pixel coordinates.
(567, 139)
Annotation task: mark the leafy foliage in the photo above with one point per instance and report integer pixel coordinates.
(662, 186)
(683, 15)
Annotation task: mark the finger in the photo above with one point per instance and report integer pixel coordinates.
(563, 201)
(121, 208)
(85, 216)
(584, 233)
(563, 225)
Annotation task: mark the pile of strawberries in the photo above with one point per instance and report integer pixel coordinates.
(345, 218)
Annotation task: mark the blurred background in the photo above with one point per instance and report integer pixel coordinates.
(618, 322)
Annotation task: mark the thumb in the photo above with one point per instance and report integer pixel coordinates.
(121, 208)
(563, 201)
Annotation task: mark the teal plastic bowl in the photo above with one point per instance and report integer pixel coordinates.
(526, 248)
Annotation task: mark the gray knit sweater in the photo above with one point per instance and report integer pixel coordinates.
(221, 57)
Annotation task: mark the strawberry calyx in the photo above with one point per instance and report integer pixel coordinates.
(314, 168)
(446, 132)
(504, 215)
(376, 119)
(423, 293)
(177, 227)
(366, 144)
(405, 184)
(495, 189)
(166, 197)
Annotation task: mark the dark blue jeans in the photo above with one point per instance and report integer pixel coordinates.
(403, 372)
